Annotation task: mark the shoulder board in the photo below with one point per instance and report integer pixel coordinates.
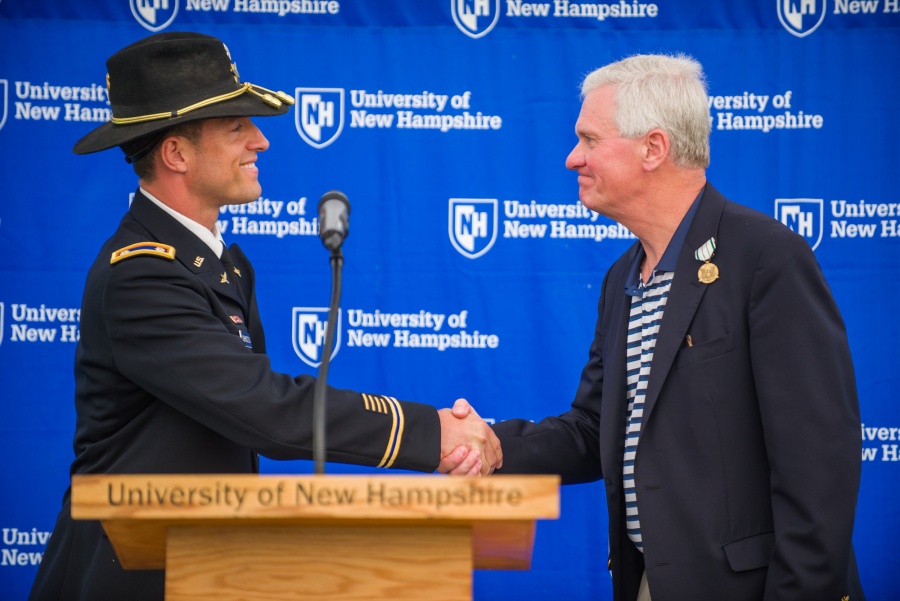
(143, 248)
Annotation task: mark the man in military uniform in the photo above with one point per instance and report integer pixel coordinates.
(171, 371)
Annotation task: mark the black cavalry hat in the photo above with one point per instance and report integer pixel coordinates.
(172, 78)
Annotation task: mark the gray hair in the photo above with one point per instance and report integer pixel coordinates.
(660, 91)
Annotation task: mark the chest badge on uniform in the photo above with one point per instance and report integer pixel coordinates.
(245, 338)
(708, 272)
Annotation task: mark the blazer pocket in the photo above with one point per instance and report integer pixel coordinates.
(701, 351)
(750, 553)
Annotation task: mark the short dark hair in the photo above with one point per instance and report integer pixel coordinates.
(145, 148)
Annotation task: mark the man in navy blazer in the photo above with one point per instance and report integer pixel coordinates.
(718, 402)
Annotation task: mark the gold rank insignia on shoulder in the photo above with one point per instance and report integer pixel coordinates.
(155, 249)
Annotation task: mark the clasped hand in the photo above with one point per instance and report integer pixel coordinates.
(468, 445)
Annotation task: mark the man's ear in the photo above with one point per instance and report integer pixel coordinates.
(174, 153)
(655, 149)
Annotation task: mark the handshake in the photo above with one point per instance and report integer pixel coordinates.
(468, 445)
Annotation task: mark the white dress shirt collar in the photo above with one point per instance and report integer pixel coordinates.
(213, 240)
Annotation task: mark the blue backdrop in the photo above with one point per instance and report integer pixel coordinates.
(447, 123)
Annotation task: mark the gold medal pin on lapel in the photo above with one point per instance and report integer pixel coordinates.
(708, 272)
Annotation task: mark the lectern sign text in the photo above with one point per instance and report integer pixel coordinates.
(306, 493)
(218, 496)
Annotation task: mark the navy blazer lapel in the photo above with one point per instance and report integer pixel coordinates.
(685, 294)
(616, 308)
(190, 250)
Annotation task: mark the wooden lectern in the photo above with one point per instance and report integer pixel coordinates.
(231, 537)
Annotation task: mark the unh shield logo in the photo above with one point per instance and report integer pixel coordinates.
(154, 15)
(801, 17)
(319, 115)
(475, 18)
(4, 87)
(309, 334)
(803, 215)
(473, 225)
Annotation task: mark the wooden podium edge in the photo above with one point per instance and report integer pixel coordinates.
(137, 510)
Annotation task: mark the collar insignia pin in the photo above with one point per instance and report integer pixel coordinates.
(198, 261)
(224, 279)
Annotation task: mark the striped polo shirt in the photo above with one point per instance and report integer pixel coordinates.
(648, 303)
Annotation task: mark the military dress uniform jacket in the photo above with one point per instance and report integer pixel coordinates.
(171, 376)
(748, 463)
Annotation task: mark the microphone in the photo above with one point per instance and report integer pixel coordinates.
(334, 211)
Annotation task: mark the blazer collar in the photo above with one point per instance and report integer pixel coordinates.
(685, 294)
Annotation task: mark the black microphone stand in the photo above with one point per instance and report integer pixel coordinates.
(337, 262)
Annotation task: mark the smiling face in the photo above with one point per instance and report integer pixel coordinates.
(609, 166)
(223, 163)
